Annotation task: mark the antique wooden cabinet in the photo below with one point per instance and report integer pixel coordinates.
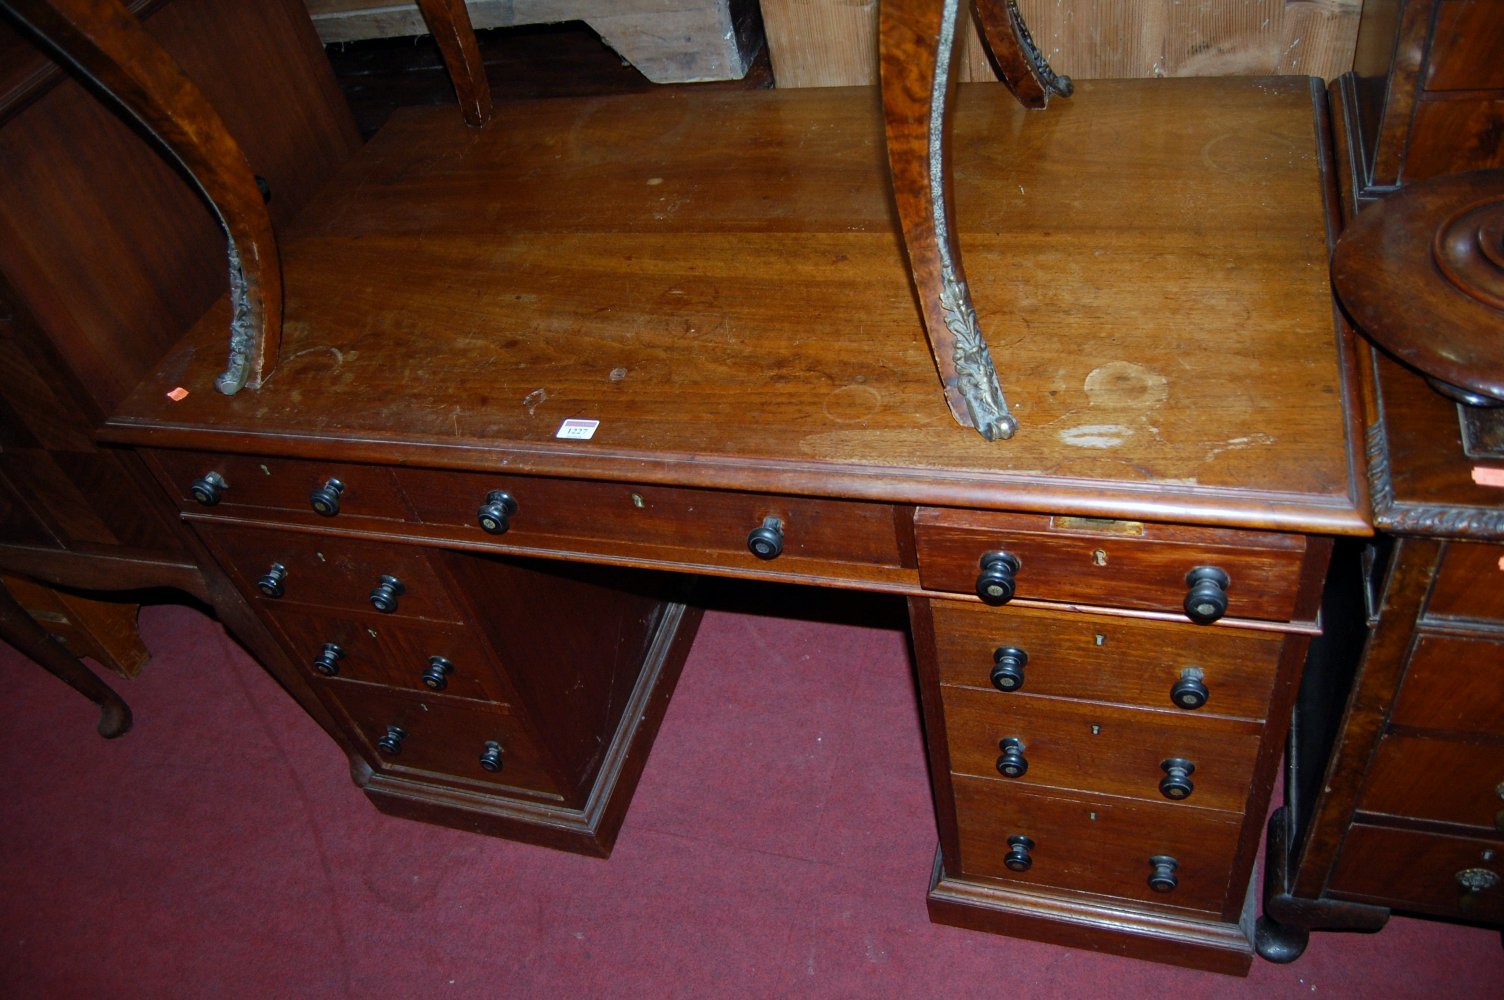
(1395, 784)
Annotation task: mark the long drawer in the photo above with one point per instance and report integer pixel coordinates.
(1105, 658)
(662, 523)
(1096, 845)
(1103, 749)
(1111, 563)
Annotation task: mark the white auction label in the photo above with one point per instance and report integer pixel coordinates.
(578, 430)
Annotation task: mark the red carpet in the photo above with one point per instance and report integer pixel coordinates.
(220, 850)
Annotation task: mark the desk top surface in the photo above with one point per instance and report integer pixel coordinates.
(716, 277)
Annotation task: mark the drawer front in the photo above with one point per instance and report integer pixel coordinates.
(1103, 658)
(1100, 846)
(1453, 684)
(442, 739)
(337, 573)
(1460, 877)
(255, 486)
(1110, 564)
(395, 653)
(1437, 779)
(659, 522)
(1469, 583)
(1097, 748)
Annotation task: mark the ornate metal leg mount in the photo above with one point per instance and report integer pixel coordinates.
(917, 44)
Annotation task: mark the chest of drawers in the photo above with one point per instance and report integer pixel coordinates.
(1100, 742)
(504, 696)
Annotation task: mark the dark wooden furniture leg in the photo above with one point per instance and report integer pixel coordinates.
(18, 629)
(449, 23)
(917, 42)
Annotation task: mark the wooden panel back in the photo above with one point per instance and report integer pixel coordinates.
(825, 43)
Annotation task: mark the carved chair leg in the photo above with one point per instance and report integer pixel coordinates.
(110, 46)
(917, 45)
(18, 629)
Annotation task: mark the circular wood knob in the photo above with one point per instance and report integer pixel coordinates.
(1018, 858)
(391, 743)
(1162, 878)
(271, 582)
(1176, 784)
(1008, 668)
(384, 597)
(996, 583)
(327, 662)
(766, 542)
(1012, 763)
(208, 489)
(1206, 594)
(325, 499)
(495, 515)
(1190, 692)
(490, 758)
(436, 677)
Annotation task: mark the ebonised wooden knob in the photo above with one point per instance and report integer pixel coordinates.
(1162, 878)
(1008, 668)
(271, 581)
(490, 757)
(391, 743)
(1012, 763)
(436, 677)
(327, 662)
(1176, 784)
(495, 515)
(1190, 692)
(766, 542)
(325, 499)
(384, 597)
(995, 584)
(1206, 598)
(1018, 858)
(209, 488)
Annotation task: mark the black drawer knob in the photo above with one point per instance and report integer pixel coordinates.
(325, 499)
(1162, 878)
(436, 677)
(327, 662)
(208, 488)
(495, 515)
(1190, 692)
(391, 743)
(1012, 763)
(384, 597)
(996, 583)
(1176, 784)
(766, 542)
(1206, 598)
(1018, 858)
(271, 582)
(490, 757)
(1008, 668)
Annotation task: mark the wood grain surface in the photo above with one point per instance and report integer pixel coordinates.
(717, 279)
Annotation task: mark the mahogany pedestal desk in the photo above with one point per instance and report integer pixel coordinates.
(534, 375)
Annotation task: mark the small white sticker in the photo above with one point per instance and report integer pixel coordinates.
(578, 430)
